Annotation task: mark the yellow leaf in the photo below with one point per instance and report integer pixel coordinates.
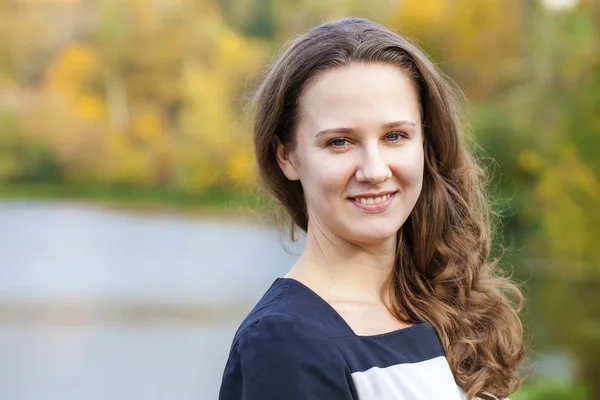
(72, 69)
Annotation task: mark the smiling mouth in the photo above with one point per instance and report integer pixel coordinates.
(372, 200)
(373, 204)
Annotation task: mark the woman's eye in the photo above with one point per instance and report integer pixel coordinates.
(396, 136)
(341, 142)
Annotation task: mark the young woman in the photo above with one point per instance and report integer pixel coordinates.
(357, 135)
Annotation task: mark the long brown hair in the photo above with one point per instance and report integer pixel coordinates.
(443, 274)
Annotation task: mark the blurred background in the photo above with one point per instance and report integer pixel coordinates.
(132, 240)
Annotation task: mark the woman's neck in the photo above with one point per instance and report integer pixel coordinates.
(342, 271)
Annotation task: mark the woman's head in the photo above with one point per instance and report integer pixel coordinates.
(321, 57)
(357, 152)
(356, 75)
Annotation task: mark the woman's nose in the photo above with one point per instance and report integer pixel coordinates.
(373, 168)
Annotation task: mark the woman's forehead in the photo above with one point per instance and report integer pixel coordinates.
(359, 94)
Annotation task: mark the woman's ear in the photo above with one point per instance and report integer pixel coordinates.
(286, 161)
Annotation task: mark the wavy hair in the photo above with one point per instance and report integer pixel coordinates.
(443, 274)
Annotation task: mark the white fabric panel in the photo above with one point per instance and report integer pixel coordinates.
(426, 380)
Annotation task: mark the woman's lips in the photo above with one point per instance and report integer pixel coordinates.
(374, 207)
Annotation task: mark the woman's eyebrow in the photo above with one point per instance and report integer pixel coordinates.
(387, 125)
(397, 124)
(335, 130)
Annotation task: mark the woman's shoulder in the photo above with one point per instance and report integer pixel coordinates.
(285, 314)
(277, 329)
(279, 342)
(279, 353)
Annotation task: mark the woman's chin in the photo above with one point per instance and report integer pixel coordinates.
(373, 238)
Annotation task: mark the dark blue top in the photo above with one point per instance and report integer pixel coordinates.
(294, 345)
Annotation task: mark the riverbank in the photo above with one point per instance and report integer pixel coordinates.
(101, 311)
(217, 203)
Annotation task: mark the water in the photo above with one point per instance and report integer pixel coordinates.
(91, 300)
(113, 361)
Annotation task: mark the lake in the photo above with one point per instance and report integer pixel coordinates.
(104, 304)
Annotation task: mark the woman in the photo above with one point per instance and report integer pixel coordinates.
(394, 297)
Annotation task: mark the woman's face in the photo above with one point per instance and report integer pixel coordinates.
(358, 153)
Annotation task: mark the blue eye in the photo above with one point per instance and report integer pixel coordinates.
(396, 136)
(339, 142)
